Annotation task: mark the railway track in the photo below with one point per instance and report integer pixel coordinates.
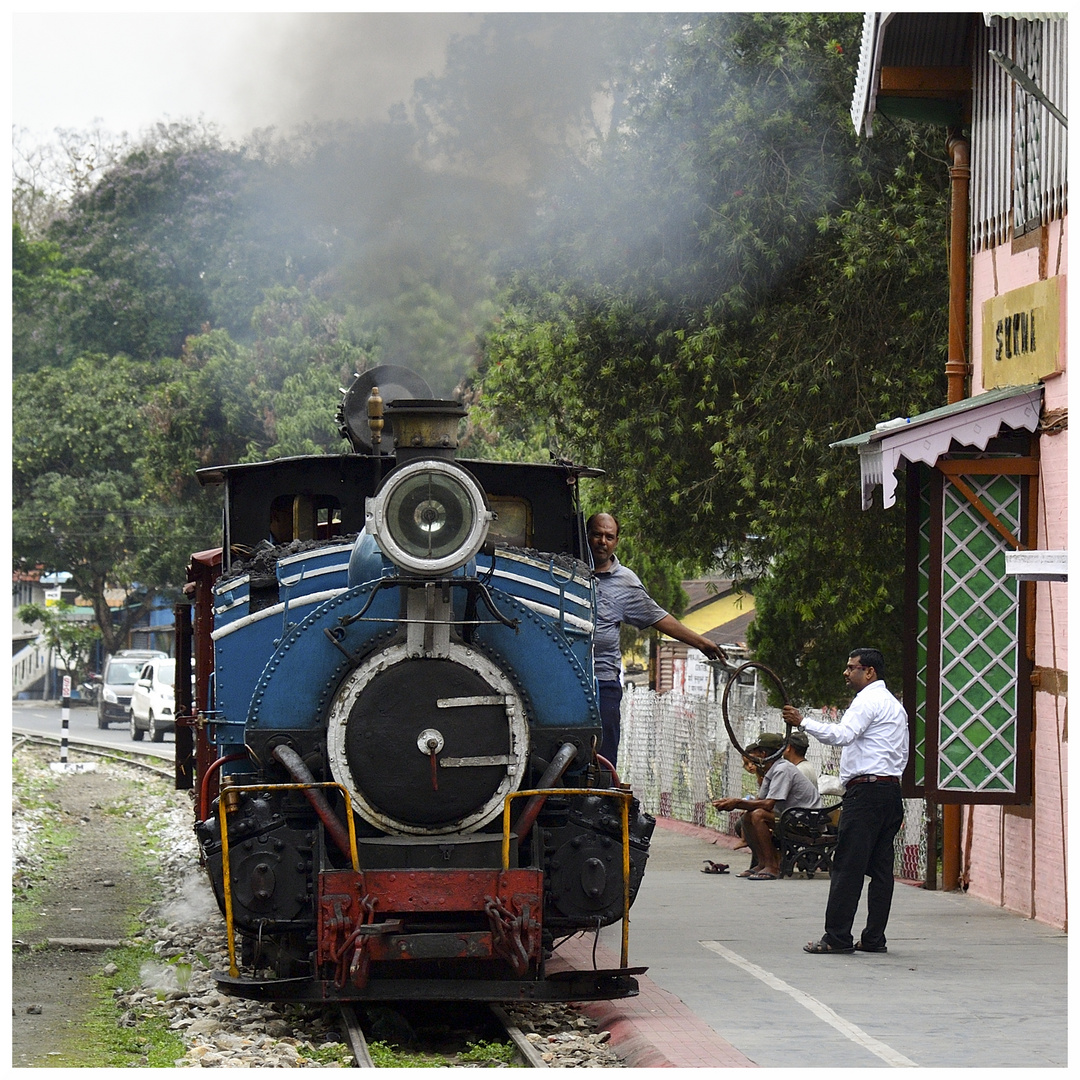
(554, 1031)
(133, 759)
(357, 1041)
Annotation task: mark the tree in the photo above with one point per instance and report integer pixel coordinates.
(79, 503)
(71, 639)
(46, 177)
(302, 354)
(735, 286)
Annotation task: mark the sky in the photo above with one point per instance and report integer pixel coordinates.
(125, 71)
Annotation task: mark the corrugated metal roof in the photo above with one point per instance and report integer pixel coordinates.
(916, 39)
(971, 422)
(862, 101)
(905, 39)
(1030, 15)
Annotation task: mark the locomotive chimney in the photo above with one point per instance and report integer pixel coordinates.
(424, 428)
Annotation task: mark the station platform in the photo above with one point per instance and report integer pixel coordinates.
(963, 984)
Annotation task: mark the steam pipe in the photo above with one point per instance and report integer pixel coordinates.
(559, 764)
(375, 426)
(610, 768)
(204, 787)
(302, 775)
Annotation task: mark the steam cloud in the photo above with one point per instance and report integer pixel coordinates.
(327, 67)
(422, 135)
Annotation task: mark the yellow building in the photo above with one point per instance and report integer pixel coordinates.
(716, 610)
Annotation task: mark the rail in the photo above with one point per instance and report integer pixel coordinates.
(354, 1036)
(131, 758)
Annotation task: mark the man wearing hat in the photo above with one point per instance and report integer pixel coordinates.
(795, 752)
(781, 785)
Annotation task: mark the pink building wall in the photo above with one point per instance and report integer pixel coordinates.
(1017, 854)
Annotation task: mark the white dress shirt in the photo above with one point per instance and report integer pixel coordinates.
(873, 733)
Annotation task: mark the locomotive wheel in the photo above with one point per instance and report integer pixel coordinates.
(136, 731)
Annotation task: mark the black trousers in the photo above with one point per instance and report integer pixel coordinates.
(610, 717)
(871, 818)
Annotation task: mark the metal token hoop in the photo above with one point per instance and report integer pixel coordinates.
(724, 707)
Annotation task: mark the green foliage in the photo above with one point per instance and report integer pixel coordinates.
(70, 638)
(104, 1043)
(301, 356)
(491, 1054)
(763, 288)
(476, 1054)
(42, 286)
(812, 610)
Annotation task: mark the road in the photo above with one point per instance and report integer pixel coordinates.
(45, 717)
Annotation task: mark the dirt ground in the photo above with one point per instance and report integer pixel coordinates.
(93, 895)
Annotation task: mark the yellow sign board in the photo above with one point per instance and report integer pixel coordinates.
(1021, 334)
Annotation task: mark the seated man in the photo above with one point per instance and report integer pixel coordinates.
(795, 752)
(781, 785)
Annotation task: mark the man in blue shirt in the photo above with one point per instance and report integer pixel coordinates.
(620, 597)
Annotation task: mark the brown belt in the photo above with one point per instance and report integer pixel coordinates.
(871, 779)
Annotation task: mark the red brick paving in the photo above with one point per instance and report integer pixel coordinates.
(655, 1030)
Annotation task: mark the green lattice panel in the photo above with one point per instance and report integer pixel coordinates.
(922, 618)
(980, 609)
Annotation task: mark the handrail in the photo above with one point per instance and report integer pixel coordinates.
(223, 809)
(625, 798)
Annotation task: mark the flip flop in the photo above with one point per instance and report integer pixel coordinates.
(819, 947)
(715, 867)
(762, 875)
(860, 947)
(749, 872)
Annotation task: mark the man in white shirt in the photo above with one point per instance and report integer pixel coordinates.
(874, 737)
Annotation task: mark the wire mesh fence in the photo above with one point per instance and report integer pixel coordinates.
(676, 753)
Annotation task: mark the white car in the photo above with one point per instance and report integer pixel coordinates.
(153, 708)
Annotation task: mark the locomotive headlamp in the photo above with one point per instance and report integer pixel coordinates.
(429, 517)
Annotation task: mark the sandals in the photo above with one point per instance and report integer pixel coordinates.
(715, 867)
(819, 947)
(762, 875)
(860, 947)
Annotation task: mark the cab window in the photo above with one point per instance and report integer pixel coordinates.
(304, 517)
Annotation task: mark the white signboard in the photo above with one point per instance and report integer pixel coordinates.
(698, 679)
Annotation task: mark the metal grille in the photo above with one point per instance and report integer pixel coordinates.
(1027, 124)
(979, 641)
(1019, 153)
(676, 754)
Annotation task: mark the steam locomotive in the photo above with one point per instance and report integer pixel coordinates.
(393, 734)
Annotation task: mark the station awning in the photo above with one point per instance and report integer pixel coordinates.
(972, 422)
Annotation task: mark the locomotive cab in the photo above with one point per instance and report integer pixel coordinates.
(400, 784)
